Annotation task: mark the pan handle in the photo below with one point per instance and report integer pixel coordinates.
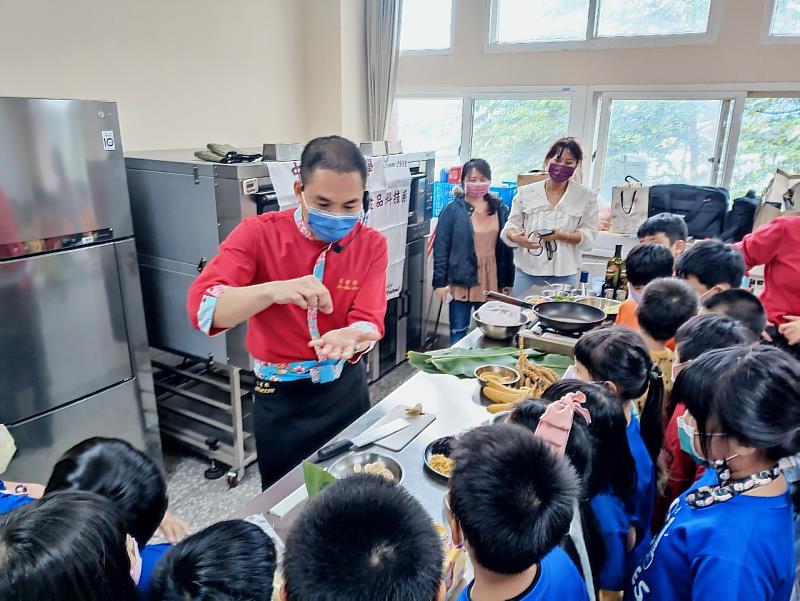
(504, 298)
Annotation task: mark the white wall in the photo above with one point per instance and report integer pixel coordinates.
(335, 69)
(184, 72)
(739, 56)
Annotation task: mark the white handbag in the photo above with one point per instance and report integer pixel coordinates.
(629, 206)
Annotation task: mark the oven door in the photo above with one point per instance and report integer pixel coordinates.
(417, 202)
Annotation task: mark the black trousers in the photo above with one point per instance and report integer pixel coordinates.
(294, 419)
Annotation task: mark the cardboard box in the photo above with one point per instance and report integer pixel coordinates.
(523, 179)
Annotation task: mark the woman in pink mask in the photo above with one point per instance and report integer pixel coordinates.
(468, 256)
(552, 222)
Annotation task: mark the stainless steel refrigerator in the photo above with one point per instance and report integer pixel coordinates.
(74, 357)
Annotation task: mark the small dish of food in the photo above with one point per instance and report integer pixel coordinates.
(508, 376)
(437, 457)
(368, 463)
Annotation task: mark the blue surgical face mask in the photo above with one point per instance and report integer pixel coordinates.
(636, 296)
(330, 227)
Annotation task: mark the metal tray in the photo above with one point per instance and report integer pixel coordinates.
(346, 466)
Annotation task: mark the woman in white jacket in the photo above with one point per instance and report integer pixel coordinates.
(552, 222)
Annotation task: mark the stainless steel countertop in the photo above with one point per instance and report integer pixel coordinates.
(456, 404)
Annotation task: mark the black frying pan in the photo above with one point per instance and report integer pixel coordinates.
(559, 315)
(569, 317)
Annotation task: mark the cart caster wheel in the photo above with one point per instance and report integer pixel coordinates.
(234, 477)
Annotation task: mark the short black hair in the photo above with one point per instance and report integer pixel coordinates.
(114, 469)
(614, 467)
(707, 332)
(68, 545)
(741, 305)
(666, 304)
(712, 262)
(620, 356)
(228, 561)
(580, 448)
(752, 391)
(334, 153)
(671, 225)
(511, 495)
(647, 262)
(363, 538)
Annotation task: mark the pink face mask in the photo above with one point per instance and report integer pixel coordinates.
(476, 189)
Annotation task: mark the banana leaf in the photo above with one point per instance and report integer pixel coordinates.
(316, 478)
(463, 362)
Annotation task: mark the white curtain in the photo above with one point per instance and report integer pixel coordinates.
(383, 20)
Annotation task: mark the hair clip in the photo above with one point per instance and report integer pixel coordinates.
(556, 422)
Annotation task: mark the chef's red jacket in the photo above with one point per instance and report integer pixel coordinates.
(776, 245)
(271, 247)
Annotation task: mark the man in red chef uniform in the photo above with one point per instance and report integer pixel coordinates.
(311, 283)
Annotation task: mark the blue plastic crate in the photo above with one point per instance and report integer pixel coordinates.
(443, 194)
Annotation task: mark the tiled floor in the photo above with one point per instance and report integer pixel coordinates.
(201, 502)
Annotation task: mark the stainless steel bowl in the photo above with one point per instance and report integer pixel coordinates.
(607, 305)
(346, 466)
(500, 418)
(511, 374)
(496, 332)
(561, 287)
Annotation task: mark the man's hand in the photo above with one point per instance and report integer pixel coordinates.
(555, 236)
(521, 239)
(304, 292)
(343, 343)
(173, 528)
(441, 293)
(791, 329)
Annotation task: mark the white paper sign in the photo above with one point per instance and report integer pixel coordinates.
(283, 176)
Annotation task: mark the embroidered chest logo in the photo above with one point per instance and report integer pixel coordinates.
(347, 284)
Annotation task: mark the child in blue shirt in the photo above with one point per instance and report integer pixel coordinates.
(730, 535)
(618, 358)
(112, 468)
(510, 503)
(15, 494)
(612, 478)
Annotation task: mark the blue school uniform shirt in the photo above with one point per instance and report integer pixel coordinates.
(10, 502)
(151, 555)
(740, 549)
(613, 522)
(557, 578)
(640, 505)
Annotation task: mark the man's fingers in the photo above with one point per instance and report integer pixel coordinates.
(325, 302)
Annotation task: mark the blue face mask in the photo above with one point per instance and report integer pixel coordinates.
(636, 296)
(331, 227)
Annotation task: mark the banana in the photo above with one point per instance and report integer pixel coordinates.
(499, 408)
(505, 396)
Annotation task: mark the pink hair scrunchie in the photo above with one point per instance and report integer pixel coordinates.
(556, 422)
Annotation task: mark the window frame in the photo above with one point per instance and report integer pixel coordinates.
(434, 51)
(725, 141)
(492, 45)
(575, 94)
(767, 36)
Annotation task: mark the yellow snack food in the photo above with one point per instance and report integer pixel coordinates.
(441, 464)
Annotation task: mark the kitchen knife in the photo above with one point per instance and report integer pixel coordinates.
(369, 436)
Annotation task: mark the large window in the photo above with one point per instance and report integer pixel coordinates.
(584, 21)
(770, 139)
(660, 141)
(514, 135)
(429, 124)
(426, 26)
(785, 18)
